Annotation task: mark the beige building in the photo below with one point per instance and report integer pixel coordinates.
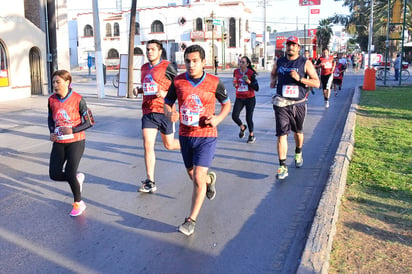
(24, 55)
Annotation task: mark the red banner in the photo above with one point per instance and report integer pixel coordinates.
(279, 42)
(312, 32)
(309, 2)
(314, 11)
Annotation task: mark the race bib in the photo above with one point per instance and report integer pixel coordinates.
(61, 136)
(242, 86)
(290, 91)
(149, 86)
(328, 65)
(190, 118)
(190, 111)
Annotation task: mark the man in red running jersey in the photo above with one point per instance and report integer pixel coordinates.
(156, 77)
(327, 66)
(196, 92)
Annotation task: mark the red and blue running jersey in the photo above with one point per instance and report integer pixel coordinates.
(153, 79)
(197, 101)
(243, 90)
(66, 112)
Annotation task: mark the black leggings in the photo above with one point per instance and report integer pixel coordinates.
(69, 153)
(249, 103)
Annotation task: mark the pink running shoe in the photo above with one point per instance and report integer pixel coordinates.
(78, 208)
(80, 178)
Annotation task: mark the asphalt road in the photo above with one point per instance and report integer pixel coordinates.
(255, 224)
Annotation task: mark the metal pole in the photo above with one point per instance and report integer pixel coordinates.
(403, 39)
(213, 41)
(98, 51)
(387, 42)
(308, 29)
(264, 35)
(370, 36)
(131, 50)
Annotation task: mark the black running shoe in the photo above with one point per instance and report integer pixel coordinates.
(251, 139)
(242, 132)
(147, 186)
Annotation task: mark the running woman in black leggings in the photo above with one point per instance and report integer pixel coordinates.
(244, 80)
(67, 119)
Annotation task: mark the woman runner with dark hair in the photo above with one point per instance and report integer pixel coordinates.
(68, 118)
(244, 80)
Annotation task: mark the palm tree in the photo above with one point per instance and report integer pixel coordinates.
(357, 23)
(324, 33)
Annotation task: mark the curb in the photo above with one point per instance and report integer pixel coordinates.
(316, 253)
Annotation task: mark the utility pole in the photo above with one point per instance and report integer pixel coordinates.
(213, 39)
(98, 51)
(264, 36)
(130, 66)
(264, 3)
(370, 36)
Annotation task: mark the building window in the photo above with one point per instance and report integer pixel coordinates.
(113, 53)
(88, 31)
(232, 32)
(108, 30)
(137, 28)
(4, 75)
(157, 26)
(199, 24)
(116, 29)
(137, 51)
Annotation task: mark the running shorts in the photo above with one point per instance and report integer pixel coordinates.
(197, 151)
(158, 121)
(290, 118)
(326, 81)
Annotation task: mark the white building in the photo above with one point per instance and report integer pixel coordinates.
(24, 53)
(203, 22)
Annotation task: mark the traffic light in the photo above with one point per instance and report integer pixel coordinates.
(225, 36)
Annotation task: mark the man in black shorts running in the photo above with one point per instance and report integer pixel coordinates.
(292, 74)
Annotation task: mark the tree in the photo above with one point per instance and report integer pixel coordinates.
(324, 33)
(357, 23)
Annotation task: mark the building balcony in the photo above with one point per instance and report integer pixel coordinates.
(204, 35)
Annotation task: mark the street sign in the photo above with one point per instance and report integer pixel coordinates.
(216, 22)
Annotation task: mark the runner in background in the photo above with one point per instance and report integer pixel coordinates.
(156, 77)
(327, 66)
(244, 80)
(338, 78)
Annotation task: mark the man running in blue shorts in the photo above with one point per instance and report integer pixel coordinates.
(196, 92)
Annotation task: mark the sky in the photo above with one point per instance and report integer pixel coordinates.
(281, 15)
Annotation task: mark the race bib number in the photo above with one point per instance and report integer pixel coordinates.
(190, 118)
(150, 87)
(328, 65)
(190, 111)
(290, 91)
(242, 86)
